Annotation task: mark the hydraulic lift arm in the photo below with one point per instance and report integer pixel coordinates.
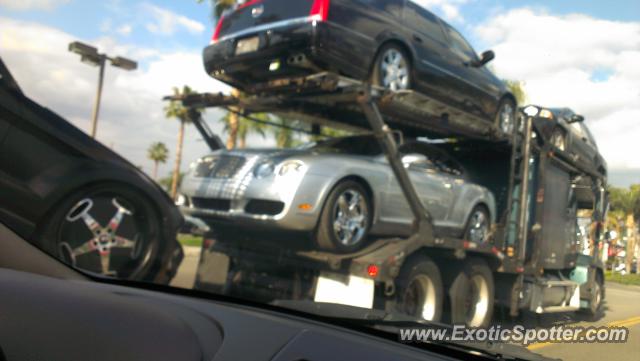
(213, 141)
(422, 226)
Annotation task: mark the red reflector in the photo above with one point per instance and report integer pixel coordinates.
(373, 270)
(207, 243)
(320, 9)
(216, 33)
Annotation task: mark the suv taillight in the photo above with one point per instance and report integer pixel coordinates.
(320, 10)
(216, 33)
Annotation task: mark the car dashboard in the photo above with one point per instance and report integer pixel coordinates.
(47, 318)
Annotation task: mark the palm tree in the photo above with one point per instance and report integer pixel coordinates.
(232, 119)
(246, 127)
(243, 127)
(233, 122)
(517, 89)
(176, 110)
(158, 153)
(626, 203)
(285, 136)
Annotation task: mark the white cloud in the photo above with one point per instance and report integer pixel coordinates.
(166, 22)
(449, 9)
(577, 61)
(131, 116)
(124, 30)
(25, 5)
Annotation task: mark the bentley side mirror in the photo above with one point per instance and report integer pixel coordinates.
(485, 58)
(576, 118)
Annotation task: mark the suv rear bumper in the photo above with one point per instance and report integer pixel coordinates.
(318, 42)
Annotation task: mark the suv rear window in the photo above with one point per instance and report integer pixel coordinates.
(245, 17)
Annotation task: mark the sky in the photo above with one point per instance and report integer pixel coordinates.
(571, 53)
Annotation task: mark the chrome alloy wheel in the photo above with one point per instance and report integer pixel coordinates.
(478, 227)
(103, 240)
(420, 299)
(350, 217)
(477, 302)
(507, 118)
(558, 140)
(394, 70)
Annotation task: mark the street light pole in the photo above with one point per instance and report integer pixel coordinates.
(89, 55)
(96, 105)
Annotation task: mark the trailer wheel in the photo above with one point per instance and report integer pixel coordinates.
(595, 303)
(472, 295)
(345, 219)
(419, 289)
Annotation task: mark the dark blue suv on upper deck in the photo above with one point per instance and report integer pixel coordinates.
(397, 44)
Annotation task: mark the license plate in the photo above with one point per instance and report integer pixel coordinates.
(214, 268)
(349, 290)
(247, 45)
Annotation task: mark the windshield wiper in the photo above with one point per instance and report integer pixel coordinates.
(392, 322)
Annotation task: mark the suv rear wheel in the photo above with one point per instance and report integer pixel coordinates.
(506, 116)
(392, 69)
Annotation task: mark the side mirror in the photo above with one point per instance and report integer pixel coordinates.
(485, 58)
(576, 119)
(413, 158)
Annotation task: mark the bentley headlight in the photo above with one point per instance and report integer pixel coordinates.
(290, 167)
(264, 170)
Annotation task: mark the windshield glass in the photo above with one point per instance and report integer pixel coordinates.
(379, 160)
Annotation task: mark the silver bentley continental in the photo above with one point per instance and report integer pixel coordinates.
(340, 191)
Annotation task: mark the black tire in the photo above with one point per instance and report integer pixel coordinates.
(420, 283)
(506, 125)
(66, 230)
(475, 225)
(470, 303)
(595, 301)
(404, 70)
(327, 237)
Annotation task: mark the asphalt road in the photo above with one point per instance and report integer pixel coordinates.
(621, 308)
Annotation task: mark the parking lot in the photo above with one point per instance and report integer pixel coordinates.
(620, 309)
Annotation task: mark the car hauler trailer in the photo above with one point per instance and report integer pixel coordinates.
(532, 262)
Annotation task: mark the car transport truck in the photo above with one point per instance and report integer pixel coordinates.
(532, 262)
